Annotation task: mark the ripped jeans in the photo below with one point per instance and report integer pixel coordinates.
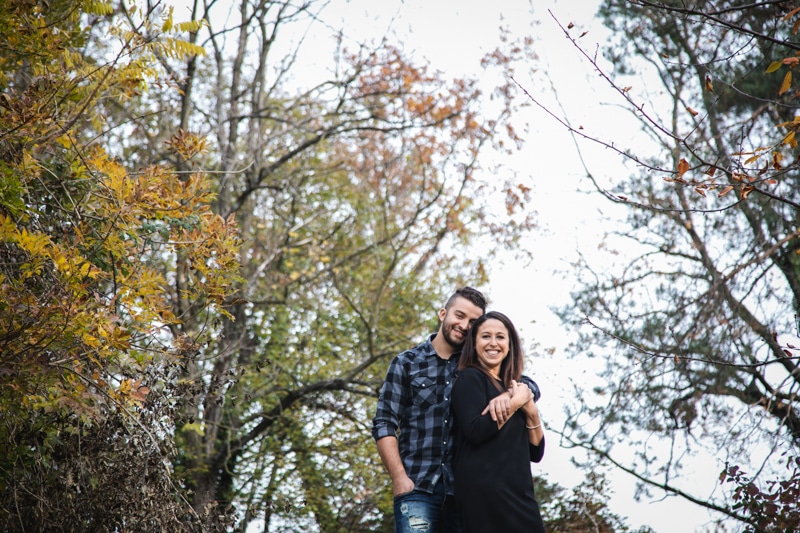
(421, 512)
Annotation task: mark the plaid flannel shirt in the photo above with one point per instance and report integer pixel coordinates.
(414, 407)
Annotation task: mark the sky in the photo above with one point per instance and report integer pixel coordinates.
(452, 36)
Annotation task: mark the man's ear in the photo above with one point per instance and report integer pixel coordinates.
(442, 314)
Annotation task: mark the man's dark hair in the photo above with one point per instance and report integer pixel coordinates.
(473, 295)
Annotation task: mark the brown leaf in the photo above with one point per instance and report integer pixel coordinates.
(709, 85)
(692, 111)
(683, 166)
(725, 191)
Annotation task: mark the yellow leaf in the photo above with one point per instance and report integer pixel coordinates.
(167, 26)
(775, 65)
(789, 139)
(787, 83)
(683, 166)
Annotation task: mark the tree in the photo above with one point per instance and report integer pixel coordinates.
(584, 508)
(85, 366)
(691, 319)
(356, 190)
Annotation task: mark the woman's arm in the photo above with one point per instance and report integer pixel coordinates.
(533, 425)
(469, 397)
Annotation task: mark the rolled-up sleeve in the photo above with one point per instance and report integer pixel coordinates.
(533, 386)
(391, 402)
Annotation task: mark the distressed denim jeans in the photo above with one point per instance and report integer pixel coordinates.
(420, 512)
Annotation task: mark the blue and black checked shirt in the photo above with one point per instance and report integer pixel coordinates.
(414, 406)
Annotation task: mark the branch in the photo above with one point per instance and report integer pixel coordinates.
(666, 487)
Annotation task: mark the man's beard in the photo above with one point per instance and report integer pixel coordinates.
(446, 332)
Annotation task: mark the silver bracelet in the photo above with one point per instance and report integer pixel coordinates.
(533, 427)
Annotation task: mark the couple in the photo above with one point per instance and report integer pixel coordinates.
(472, 437)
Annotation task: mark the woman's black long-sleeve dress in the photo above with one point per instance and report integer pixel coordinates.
(493, 483)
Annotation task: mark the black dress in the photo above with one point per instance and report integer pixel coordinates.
(493, 483)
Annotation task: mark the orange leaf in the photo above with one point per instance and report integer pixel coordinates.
(683, 166)
(709, 85)
(791, 13)
(725, 191)
(787, 83)
(790, 61)
(692, 111)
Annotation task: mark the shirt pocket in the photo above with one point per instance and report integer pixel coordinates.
(424, 391)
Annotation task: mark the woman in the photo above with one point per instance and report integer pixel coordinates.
(493, 484)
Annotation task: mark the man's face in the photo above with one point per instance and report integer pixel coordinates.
(456, 321)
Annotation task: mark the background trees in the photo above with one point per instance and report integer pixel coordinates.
(696, 317)
(355, 189)
(210, 257)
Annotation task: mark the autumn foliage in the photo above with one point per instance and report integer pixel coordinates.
(84, 323)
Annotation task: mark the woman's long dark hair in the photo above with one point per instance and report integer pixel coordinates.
(511, 367)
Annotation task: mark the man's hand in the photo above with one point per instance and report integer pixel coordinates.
(520, 394)
(402, 485)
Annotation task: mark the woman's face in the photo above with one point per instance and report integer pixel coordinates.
(491, 345)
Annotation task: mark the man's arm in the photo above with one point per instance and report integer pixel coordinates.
(387, 419)
(390, 455)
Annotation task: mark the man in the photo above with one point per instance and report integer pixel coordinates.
(415, 400)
